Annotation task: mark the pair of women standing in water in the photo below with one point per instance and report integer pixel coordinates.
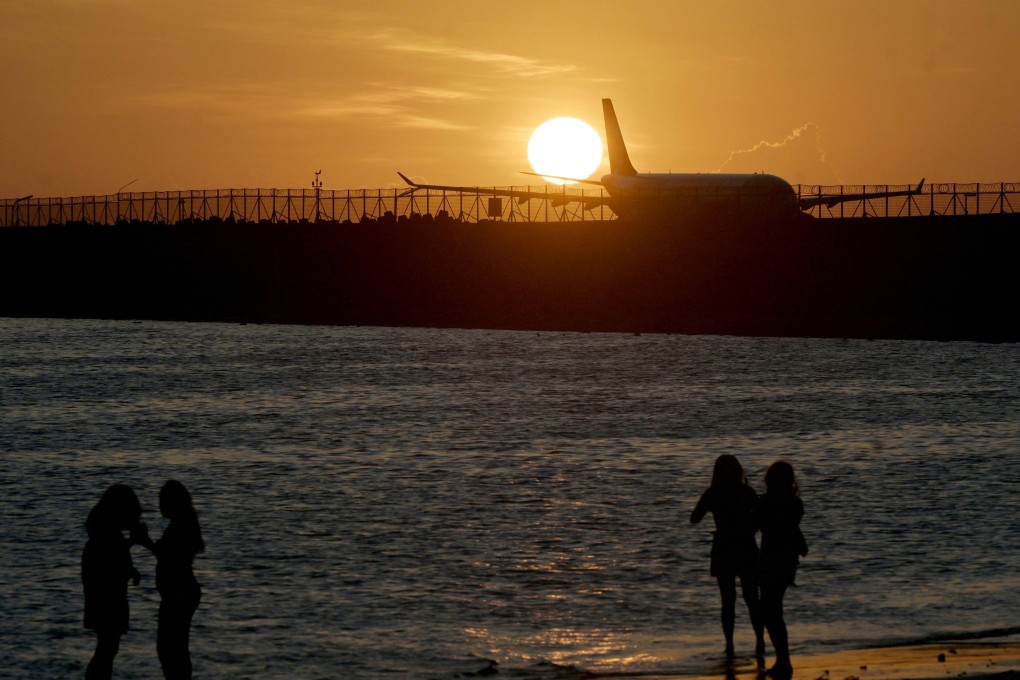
(766, 574)
(106, 568)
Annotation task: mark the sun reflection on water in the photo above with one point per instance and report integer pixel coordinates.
(593, 649)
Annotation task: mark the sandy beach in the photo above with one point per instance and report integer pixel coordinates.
(994, 658)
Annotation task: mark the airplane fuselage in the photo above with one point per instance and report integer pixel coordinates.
(640, 191)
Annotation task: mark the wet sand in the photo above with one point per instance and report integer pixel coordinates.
(914, 662)
(986, 659)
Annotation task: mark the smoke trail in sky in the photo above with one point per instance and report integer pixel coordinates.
(800, 150)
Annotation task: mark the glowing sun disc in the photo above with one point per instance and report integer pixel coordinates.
(565, 147)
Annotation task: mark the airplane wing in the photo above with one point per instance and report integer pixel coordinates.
(808, 202)
(568, 179)
(558, 197)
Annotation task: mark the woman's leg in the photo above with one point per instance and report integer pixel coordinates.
(749, 588)
(772, 592)
(728, 592)
(101, 665)
(172, 641)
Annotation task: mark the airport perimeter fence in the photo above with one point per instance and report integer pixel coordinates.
(938, 198)
(544, 204)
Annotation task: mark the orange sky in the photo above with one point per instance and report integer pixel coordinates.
(198, 94)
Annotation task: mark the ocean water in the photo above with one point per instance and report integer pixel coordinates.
(428, 503)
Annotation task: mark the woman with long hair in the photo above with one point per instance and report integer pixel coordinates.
(178, 589)
(106, 568)
(782, 545)
(732, 503)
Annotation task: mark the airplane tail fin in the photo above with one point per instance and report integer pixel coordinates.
(619, 161)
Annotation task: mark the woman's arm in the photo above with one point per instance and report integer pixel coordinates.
(140, 535)
(702, 508)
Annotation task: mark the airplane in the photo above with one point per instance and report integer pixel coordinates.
(630, 191)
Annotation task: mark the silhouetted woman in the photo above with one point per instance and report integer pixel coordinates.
(106, 568)
(179, 590)
(782, 544)
(734, 551)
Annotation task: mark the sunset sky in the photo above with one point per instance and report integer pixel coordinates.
(193, 94)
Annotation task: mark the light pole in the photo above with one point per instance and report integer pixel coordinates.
(317, 185)
(14, 220)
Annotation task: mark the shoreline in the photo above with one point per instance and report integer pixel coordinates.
(984, 659)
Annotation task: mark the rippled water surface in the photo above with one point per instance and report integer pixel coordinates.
(422, 503)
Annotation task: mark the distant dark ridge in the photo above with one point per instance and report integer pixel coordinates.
(944, 278)
(295, 205)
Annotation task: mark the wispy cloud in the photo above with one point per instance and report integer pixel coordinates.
(386, 93)
(425, 123)
(766, 145)
(802, 147)
(208, 98)
(399, 106)
(507, 64)
(395, 116)
(393, 105)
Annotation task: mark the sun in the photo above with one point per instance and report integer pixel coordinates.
(565, 147)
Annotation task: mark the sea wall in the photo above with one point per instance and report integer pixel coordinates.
(917, 277)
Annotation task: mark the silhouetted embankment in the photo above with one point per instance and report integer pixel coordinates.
(916, 277)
